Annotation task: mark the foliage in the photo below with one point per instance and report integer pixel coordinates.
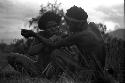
(115, 56)
(102, 28)
(2, 46)
(55, 7)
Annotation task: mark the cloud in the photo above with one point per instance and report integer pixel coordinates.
(114, 14)
(12, 16)
(14, 12)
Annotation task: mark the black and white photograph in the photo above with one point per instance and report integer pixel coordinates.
(62, 41)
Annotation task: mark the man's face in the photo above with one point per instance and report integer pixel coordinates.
(52, 27)
(53, 30)
(72, 26)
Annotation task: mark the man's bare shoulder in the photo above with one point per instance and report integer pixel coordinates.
(86, 33)
(91, 34)
(87, 38)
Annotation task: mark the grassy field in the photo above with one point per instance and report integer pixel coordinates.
(9, 75)
(14, 77)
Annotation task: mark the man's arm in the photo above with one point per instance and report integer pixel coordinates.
(48, 42)
(62, 42)
(84, 38)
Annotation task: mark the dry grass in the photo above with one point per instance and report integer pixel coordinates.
(9, 75)
(17, 78)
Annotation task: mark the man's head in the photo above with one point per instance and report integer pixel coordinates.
(75, 18)
(48, 21)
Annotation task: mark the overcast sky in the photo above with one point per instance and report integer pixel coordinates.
(13, 13)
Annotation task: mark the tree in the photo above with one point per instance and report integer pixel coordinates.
(55, 7)
(102, 28)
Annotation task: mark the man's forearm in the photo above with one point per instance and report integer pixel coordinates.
(61, 42)
(44, 40)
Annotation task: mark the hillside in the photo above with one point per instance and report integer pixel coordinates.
(119, 33)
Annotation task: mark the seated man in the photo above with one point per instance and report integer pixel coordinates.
(48, 23)
(79, 35)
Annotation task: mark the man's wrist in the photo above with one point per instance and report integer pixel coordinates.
(35, 35)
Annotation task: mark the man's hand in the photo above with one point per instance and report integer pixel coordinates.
(27, 33)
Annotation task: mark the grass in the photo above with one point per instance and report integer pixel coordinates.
(9, 75)
(12, 77)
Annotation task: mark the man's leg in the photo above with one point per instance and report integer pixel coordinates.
(66, 63)
(21, 62)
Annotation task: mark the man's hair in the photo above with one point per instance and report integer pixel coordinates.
(77, 13)
(46, 17)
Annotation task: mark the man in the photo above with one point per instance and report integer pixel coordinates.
(48, 23)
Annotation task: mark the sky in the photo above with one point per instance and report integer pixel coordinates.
(15, 13)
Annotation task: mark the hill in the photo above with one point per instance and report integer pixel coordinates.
(119, 33)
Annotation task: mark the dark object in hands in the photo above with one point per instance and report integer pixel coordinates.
(27, 33)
